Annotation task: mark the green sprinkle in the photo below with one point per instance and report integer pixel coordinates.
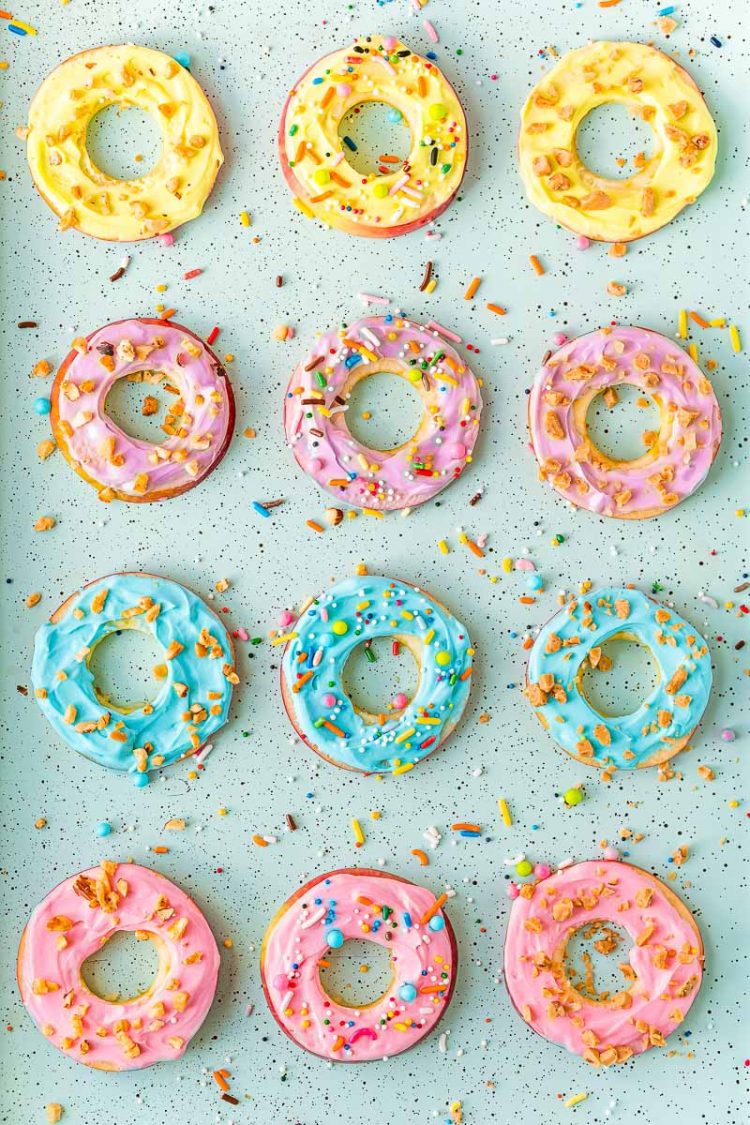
(320, 379)
(370, 655)
(294, 130)
(445, 168)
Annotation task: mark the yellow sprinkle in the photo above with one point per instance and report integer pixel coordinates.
(161, 288)
(160, 308)
(734, 335)
(693, 352)
(444, 548)
(507, 565)
(24, 27)
(303, 208)
(429, 721)
(446, 378)
(404, 768)
(245, 218)
(576, 1099)
(372, 512)
(376, 814)
(359, 836)
(718, 322)
(429, 635)
(740, 512)
(734, 804)
(222, 811)
(407, 615)
(229, 357)
(406, 734)
(502, 804)
(430, 285)
(682, 329)
(283, 638)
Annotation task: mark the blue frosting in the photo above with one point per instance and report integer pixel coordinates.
(64, 683)
(667, 716)
(355, 610)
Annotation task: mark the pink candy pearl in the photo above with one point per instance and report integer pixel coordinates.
(389, 42)
(166, 239)
(281, 981)
(329, 700)
(343, 89)
(728, 735)
(611, 853)
(286, 617)
(457, 450)
(542, 871)
(315, 465)
(582, 243)
(513, 890)
(559, 338)
(400, 701)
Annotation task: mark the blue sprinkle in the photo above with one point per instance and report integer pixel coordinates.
(349, 143)
(260, 509)
(394, 116)
(716, 42)
(431, 56)
(309, 796)
(352, 360)
(466, 832)
(407, 919)
(317, 81)
(666, 11)
(183, 58)
(535, 828)
(16, 30)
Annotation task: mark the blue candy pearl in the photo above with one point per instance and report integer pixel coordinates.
(335, 939)
(140, 780)
(535, 582)
(42, 406)
(183, 58)
(103, 828)
(394, 115)
(436, 924)
(407, 992)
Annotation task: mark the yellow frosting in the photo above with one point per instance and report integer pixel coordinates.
(82, 195)
(658, 91)
(326, 186)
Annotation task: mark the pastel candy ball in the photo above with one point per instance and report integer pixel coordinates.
(542, 871)
(166, 239)
(42, 406)
(611, 853)
(140, 780)
(443, 659)
(322, 176)
(286, 617)
(103, 828)
(524, 868)
(343, 89)
(340, 628)
(329, 699)
(314, 465)
(513, 890)
(728, 735)
(400, 701)
(394, 116)
(437, 111)
(281, 981)
(335, 939)
(457, 450)
(379, 190)
(407, 993)
(573, 797)
(436, 924)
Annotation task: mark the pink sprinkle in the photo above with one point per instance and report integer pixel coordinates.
(286, 617)
(390, 42)
(243, 634)
(400, 701)
(343, 89)
(249, 1009)
(166, 239)
(430, 29)
(513, 890)
(524, 564)
(542, 871)
(433, 324)
(433, 234)
(372, 299)
(494, 77)
(582, 243)
(559, 338)
(323, 613)
(611, 853)
(329, 700)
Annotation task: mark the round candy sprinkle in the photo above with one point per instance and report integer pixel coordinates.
(436, 924)
(728, 735)
(335, 939)
(140, 780)
(573, 796)
(340, 628)
(103, 828)
(407, 992)
(42, 405)
(524, 867)
(443, 659)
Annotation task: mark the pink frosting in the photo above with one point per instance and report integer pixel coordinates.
(359, 904)
(73, 922)
(675, 464)
(133, 467)
(316, 403)
(666, 958)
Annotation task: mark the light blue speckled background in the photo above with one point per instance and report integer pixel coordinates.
(246, 54)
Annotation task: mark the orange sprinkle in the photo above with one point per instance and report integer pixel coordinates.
(168, 314)
(526, 600)
(388, 159)
(328, 95)
(434, 988)
(473, 286)
(160, 850)
(608, 3)
(364, 900)
(320, 198)
(465, 827)
(495, 309)
(466, 673)
(421, 85)
(338, 1043)
(699, 319)
(324, 964)
(298, 684)
(475, 549)
(413, 346)
(437, 904)
(315, 526)
(528, 642)
(421, 856)
(335, 729)
(260, 841)
(538, 267)
(449, 361)
(221, 1081)
(337, 179)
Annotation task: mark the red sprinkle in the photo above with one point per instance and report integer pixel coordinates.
(191, 274)
(212, 336)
